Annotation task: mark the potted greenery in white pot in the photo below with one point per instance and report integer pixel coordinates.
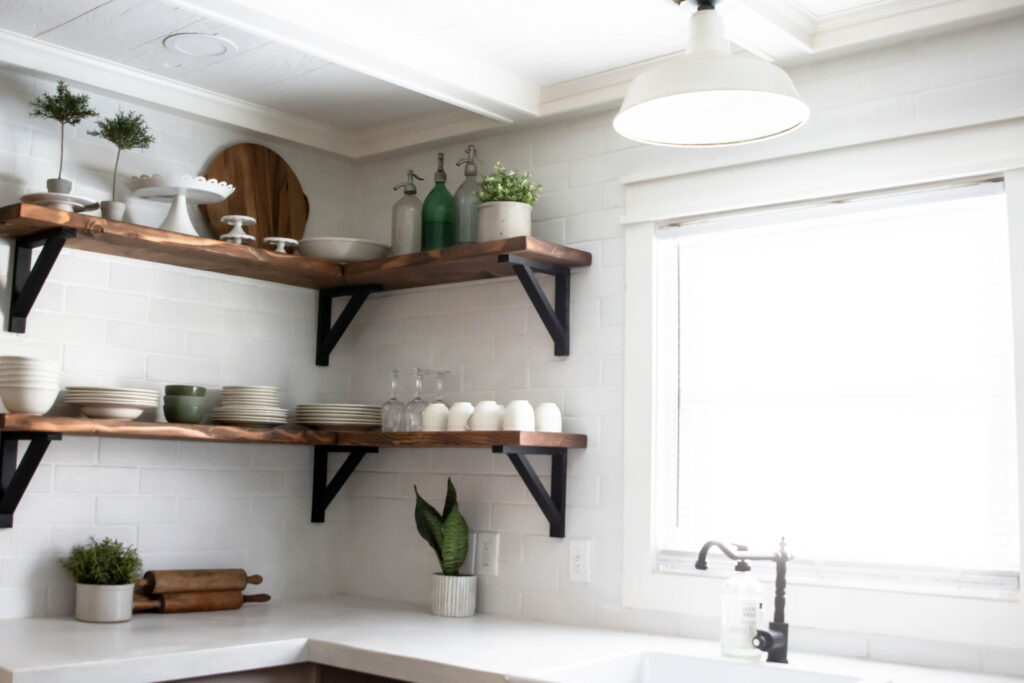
(67, 109)
(125, 130)
(452, 595)
(105, 573)
(506, 204)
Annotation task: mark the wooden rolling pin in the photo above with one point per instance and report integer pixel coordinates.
(203, 601)
(194, 580)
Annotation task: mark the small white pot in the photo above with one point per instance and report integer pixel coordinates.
(103, 604)
(501, 220)
(453, 596)
(113, 211)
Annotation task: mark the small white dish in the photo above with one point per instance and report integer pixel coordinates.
(61, 201)
(342, 249)
(111, 412)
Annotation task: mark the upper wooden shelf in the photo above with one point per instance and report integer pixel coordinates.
(292, 435)
(440, 266)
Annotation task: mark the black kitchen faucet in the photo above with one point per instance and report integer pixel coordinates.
(775, 640)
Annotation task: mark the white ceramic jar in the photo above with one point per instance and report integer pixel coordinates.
(435, 417)
(458, 416)
(519, 416)
(103, 604)
(486, 416)
(501, 220)
(548, 418)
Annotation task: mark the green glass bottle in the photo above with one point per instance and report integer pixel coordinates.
(439, 212)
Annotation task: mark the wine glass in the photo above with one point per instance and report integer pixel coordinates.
(393, 410)
(439, 379)
(413, 419)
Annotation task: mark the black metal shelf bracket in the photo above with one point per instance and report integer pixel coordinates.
(327, 334)
(28, 279)
(15, 476)
(555, 318)
(324, 491)
(551, 504)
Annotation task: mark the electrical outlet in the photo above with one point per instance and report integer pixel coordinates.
(487, 554)
(579, 561)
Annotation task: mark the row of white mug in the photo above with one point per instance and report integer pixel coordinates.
(518, 415)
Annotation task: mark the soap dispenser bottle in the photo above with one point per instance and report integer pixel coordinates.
(439, 212)
(407, 218)
(466, 202)
(741, 607)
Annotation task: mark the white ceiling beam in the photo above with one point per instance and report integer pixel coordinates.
(770, 29)
(383, 52)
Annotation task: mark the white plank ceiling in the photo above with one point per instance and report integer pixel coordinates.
(361, 77)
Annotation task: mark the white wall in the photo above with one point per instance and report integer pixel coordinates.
(120, 322)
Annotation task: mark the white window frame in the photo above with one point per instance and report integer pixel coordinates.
(991, 150)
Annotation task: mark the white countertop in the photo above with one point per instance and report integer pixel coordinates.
(388, 639)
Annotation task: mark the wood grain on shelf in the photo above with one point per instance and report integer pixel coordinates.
(460, 439)
(162, 246)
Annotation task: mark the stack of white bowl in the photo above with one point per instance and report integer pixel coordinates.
(249, 406)
(112, 404)
(336, 415)
(28, 385)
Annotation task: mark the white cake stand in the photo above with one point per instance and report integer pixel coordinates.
(180, 192)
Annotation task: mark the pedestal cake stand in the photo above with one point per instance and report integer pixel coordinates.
(180, 192)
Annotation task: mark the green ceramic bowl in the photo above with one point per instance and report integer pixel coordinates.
(184, 390)
(184, 409)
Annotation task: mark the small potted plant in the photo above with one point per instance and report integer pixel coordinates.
(506, 204)
(68, 109)
(452, 595)
(126, 130)
(105, 573)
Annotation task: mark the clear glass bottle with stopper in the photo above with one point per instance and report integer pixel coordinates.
(466, 202)
(407, 218)
(439, 212)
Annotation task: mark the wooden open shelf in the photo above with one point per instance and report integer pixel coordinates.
(287, 434)
(440, 266)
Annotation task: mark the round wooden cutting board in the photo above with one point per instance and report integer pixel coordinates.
(266, 188)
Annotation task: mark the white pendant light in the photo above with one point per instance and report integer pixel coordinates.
(710, 97)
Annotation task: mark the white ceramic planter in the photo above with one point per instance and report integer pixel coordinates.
(453, 596)
(501, 220)
(103, 604)
(112, 210)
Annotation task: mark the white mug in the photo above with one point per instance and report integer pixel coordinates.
(486, 416)
(458, 416)
(519, 416)
(435, 417)
(548, 418)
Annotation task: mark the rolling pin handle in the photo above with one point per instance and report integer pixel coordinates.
(258, 597)
(255, 578)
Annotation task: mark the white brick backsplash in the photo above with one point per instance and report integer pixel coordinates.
(67, 328)
(135, 509)
(938, 655)
(104, 303)
(146, 338)
(111, 363)
(187, 315)
(179, 370)
(47, 508)
(96, 480)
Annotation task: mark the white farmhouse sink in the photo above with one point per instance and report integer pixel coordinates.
(661, 667)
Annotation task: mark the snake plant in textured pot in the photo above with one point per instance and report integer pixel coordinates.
(453, 595)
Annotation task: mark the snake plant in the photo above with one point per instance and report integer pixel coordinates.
(446, 532)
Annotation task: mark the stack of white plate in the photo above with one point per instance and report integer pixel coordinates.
(28, 385)
(116, 404)
(335, 415)
(250, 407)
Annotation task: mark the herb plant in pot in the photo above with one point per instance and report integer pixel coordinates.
(67, 109)
(506, 204)
(105, 573)
(452, 594)
(126, 130)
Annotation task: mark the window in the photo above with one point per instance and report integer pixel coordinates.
(841, 375)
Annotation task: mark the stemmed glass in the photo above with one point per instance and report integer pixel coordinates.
(439, 378)
(393, 410)
(413, 420)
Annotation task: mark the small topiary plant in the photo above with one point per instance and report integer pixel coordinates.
(66, 108)
(503, 185)
(447, 532)
(105, 563)
(126, 130)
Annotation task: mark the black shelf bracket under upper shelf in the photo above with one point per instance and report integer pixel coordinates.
(555, 318)
(328, 334)
(28, 278)
(325, 490)
(15, 476)
(551, 504)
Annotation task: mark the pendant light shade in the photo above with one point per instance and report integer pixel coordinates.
(710, 97)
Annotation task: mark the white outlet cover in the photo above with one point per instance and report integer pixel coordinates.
(579, 561)
(487, 554)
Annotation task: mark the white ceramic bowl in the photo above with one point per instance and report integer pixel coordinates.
(22, 361)
(342, 249)
(111, 412)
(31, 400)
(26, 384)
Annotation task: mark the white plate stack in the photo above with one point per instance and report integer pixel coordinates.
(338, 415)
(249, 407)
(28, 385)
(114, 404)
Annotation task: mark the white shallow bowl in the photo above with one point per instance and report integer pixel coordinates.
(342, 249)
(25, 361)
(30, 400)
(30, 383)
(111, 412)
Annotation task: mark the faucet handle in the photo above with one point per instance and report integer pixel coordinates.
(740, 547)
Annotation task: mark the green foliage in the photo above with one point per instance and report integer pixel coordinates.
(65, 107)
(106, 563)
(503, 185)
(447, 532)
(126, 130)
